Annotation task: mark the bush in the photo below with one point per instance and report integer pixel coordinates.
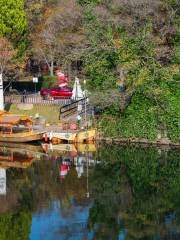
(48, 82)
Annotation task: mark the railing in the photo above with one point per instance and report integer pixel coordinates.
(72, 108)
(35, 99)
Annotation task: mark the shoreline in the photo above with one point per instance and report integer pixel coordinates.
(138, 141)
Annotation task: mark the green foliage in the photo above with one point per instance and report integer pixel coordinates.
(153, 110)
(85, 2)
(15, 225)
(139, 121)
(13, 23)
(115, 55)
(48, 82)
(100, 58)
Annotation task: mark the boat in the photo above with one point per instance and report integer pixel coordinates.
(18, 128)
(65, 136)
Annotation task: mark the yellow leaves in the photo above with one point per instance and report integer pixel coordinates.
(143, 75)
(153, 109)
(34, 7)
(130, 64)
(157, 91)
(174, 68)
(117, 42)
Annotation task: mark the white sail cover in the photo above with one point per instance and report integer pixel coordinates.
(77, 92)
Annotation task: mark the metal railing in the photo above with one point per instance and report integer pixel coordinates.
(72, 108)
(35, 99)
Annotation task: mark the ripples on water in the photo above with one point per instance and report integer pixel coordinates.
(75, 192)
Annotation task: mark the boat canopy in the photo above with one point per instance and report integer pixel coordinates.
(7, 119)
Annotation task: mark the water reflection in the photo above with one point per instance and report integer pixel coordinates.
(75, 192)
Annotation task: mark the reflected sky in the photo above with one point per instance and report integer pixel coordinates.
(51, 224)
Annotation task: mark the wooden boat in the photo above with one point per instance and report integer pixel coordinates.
(65, 136)
(17, 128)
(29, 136)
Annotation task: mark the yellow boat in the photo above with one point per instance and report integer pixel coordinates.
(17, 128)
(65, 136)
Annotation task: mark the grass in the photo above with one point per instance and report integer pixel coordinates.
(49, 113)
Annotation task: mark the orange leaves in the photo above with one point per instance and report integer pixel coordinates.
(6, 53)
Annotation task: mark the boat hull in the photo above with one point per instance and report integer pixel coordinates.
(70, 137)
(22, 137)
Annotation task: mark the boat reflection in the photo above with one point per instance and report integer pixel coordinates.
(79, 156)
(73, 149)
(14, 155)
(18, 155)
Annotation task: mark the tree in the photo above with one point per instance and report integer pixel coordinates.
(13, 22)
(6, 53)
(55, 33)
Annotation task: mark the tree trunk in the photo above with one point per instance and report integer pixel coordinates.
(52, 68)
(125, 99)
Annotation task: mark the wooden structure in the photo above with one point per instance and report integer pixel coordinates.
(17, 128)
(81, 136)
(72, 108)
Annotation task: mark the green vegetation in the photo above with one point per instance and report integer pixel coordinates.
(145, 117)
(13, 23)
(48, 82)
(49, 113)
(129, 52)
(137, 61)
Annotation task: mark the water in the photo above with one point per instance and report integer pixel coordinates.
(116, 192)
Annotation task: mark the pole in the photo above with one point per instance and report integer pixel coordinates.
(87, 169)
(85, 111)
(85, 117)
(1, 93)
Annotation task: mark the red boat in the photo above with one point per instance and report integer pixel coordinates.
(55, 93)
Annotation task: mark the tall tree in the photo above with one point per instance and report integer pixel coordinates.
(55, 33)
(6, 53)
(13, 22)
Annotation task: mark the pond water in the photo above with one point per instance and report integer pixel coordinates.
(78, 192)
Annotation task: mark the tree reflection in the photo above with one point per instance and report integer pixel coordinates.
(135, 190)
